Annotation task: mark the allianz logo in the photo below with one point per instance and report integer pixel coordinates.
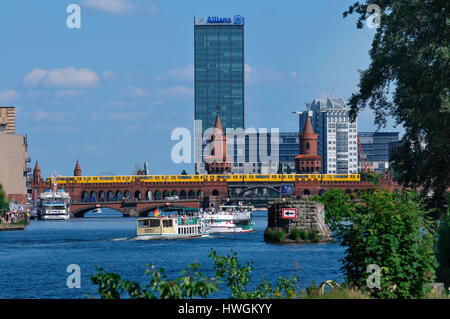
(237, 19)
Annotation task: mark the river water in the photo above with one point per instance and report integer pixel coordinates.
(33, 262)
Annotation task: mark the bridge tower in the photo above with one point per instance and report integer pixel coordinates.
(308, 161)
(37, 173)
(218, 162)
(77, 170)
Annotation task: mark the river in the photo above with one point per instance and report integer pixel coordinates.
(33, 262)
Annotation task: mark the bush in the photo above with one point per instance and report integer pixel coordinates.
(297, 234)
(389, 230)
(312, 236)
(443, 247)
(274, 236)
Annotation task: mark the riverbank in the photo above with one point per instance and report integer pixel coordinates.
(5, 227)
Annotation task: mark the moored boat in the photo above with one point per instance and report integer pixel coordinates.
(229, 219)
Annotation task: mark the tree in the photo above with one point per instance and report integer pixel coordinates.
(388, 230)
(184, 172)
(280, 168)
(288, 170)
(443, 247)
(408, 79)
(4, 203)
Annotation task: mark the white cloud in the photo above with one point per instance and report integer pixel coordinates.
(69, 93)
(177, 91)
(120, 7)
(109, 76)
(68, 77)
(8, 96)
(257, 75)
(186, 73)
(133, 91)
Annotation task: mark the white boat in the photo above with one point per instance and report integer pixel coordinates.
(229, 219)
(53, 205)
(183, 225)
(98, 210)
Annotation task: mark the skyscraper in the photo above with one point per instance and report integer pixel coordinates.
(337, 143)
(218, 75)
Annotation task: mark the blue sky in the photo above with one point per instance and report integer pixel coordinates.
(111, 92)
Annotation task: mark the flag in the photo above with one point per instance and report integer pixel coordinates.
(156, 213)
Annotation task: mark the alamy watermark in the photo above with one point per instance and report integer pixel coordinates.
(74, 279)
(208, 145)
(374, 279)
(374, 19)
(74, 19)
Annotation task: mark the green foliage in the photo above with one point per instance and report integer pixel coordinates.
(4, 203)
(190, 285)
(389, 230)
(443, 247)
(237, 278)
(274, 236)
(371, 177)
(288, 170)
(280, 168)
(408, 79)
(313, 237)
(297, 234)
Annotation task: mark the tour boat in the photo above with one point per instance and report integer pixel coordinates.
(229, 219)
(183, 225)
(53, 205)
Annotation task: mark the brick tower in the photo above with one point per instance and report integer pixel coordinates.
(36, 173)
(308, 161)
(77, 170)
(218, 162)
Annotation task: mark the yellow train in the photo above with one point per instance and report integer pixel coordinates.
(208, 178)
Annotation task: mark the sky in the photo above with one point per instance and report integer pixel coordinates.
(111, 92)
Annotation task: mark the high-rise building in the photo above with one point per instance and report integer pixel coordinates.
(7, 119)
(375, 146)
(218, 77)
(337, 143)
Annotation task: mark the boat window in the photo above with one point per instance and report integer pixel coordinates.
(155, 222)
(143, 223)
(167, 223)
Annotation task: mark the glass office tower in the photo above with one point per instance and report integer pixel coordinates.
(219, 74)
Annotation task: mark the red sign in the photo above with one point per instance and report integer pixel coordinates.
(289, 213)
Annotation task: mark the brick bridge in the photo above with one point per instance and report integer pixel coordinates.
(132, 208)
(138, 198)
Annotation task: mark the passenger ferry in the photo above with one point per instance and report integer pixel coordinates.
(53, 205)
(230, 219)
(185, 224)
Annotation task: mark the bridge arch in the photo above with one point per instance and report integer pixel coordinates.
(84, 195)
(137, 194)
(94, 195)
(149, 195)
(174, 193)
(119, 195)
(101, 196)
(306, 192)
(157, 195)
(183, 194)
(199, 194)
(215, 192)
(127, 194)
(83, 210)
(259, 187)
(321, 192)
(110, 196)
(191, 194)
